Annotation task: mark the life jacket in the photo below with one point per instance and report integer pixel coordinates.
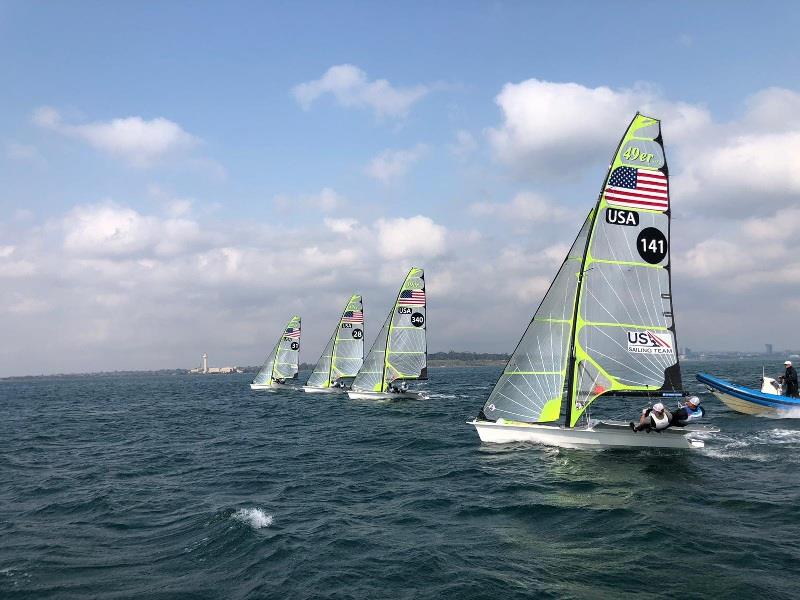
(693, 414)
(659, 422)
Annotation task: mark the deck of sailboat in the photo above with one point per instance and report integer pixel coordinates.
(598, 434)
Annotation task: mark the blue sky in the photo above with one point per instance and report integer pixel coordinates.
(125, 126)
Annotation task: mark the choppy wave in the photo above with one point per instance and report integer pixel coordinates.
(293, 497)
(254, 517)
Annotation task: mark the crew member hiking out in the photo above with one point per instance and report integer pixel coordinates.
(655, 418)
(789, 379)
(687, 413)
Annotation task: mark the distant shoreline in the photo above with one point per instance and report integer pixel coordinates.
(436, 360)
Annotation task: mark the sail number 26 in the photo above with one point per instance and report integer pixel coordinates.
(633, 153)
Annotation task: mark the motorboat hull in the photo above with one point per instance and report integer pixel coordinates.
(599, 434)
(746, 400)
(359, 395)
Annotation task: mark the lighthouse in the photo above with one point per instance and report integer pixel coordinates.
(205, 362)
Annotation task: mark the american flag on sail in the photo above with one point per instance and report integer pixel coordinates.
(292, 333)
(638, 188)
(412, 297)
(353, 316)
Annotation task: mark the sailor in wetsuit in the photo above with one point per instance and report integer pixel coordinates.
(687, 413)
(655, 418)
(789, 379)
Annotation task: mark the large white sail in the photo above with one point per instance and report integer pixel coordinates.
(531, 387)
(400, 349)
(344, 353)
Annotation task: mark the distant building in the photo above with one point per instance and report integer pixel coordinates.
(769, 348)
(205, 369)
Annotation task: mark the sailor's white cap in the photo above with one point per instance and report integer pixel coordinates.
(658, 407)
(693, 400)
(788, 362)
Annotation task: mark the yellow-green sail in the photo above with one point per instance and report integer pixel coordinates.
(283, 361)
(531, 387)
(624, 333)
(344, 353)
(400, 349)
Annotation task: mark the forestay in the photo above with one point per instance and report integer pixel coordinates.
(624, 336)
(400, 349)
(344, 353)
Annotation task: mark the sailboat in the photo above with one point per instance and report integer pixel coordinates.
(282, 363)
(344, 354)
(606, 326)
(400, 351)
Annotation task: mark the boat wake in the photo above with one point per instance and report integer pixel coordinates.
(254, 517)
(754, 447)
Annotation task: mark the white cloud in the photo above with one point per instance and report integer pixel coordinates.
(23, 152)
(464, 144)
(343, 225)
(140, 142)
(559, 129)
(525, 206)
(110, 230)
(393, 164)
(352, 88)
(326, 200)
(416, 237)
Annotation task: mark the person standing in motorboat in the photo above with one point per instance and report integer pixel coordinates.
(789, 380)
(655, 418)
(687, 412)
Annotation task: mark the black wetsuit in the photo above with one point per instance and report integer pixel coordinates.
(680, 418)
(790, 379)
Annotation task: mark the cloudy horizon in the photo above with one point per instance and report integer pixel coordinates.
(183, 189)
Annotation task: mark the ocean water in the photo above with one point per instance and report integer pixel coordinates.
(197, 487)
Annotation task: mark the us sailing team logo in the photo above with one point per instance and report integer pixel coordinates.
(647, 342)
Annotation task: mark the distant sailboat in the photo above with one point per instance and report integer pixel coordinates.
(400, 351)
(605, 326)
(344, 354)
(282, 363)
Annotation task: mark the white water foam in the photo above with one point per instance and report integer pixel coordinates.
(753, 446)
(792, 413)
(255, 517)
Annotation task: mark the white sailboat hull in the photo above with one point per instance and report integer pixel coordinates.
(598, 435)
(270, 386)
(310, 389)
(357, 395)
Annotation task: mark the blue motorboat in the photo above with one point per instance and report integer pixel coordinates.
(768, 401)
